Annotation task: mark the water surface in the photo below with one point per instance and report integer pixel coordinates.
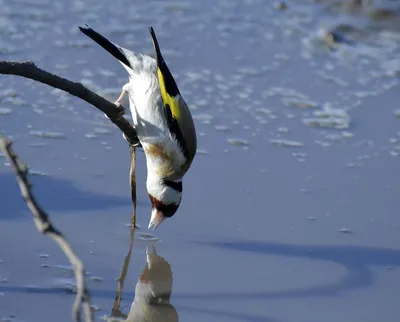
(290, 210)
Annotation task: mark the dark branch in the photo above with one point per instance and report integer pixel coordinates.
(45, 226)
(132, 181)
(28, 69)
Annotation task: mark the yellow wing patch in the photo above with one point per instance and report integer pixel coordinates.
(168, 99)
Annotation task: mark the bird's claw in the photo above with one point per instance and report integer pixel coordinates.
(136, 144)
(120, 110)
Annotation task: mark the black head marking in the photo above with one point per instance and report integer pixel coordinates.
(174, 185)
(166, 210)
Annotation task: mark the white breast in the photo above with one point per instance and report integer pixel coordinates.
(163, 154)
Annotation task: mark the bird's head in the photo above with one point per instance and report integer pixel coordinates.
(165, 197)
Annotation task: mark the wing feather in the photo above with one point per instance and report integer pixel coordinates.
(177, 114)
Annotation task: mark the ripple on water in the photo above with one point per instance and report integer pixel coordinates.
(147, 237)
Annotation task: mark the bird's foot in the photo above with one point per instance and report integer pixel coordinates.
(118, 104)
(137, 144)
(120, 109)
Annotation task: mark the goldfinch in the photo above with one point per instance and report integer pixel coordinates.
(162, 120)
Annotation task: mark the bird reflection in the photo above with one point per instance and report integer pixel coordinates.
(152, 293)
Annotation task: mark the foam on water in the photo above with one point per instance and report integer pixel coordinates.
(47, 135)
(286, 143)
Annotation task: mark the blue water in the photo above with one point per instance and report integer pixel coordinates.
(290, 210)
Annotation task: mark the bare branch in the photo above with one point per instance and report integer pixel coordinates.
(132, 181)
(28, 69)
(45, 226)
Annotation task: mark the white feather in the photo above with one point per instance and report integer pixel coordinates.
(157, 189)
(148, 117)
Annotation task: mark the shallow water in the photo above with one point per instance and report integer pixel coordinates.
(290, 210)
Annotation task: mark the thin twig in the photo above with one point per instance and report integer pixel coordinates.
(116, 309)
(28, 69)
(132, 181)
(44, 225)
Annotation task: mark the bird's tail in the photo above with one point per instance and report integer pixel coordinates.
(171, 87)
(159, 57)
(112, 48)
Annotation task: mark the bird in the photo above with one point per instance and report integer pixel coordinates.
(162, 120)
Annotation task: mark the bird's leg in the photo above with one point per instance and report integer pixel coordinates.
(121, 109)
(118, 102)
(125, 89)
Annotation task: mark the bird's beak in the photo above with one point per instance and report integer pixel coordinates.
(156, 219)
